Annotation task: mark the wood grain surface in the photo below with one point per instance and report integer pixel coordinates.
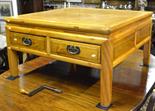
(81, 90)
(100, 20)
(105, 38)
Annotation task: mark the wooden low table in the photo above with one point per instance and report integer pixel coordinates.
(95, 38)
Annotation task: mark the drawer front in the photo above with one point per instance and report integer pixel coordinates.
(143, 33)
(28, 41)
(81, 51)
(124, 45)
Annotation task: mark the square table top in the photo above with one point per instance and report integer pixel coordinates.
(100, 20)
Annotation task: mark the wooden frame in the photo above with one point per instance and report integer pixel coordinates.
(115, 45)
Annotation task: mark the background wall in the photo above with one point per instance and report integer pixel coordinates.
(15, 9)
(14, 4)
(15, 13)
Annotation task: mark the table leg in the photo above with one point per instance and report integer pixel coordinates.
(13, 62)
(72, 68)
(106, 76)
(146, 53)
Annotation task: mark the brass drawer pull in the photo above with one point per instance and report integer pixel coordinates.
(73, 49)
(26, 41)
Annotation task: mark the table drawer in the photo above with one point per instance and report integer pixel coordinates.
(28, 41)
(82, 51)
(143, 33)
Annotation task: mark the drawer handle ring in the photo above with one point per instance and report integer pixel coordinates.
(26, 41)
(73, 49)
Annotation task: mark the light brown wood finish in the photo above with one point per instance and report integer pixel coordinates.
(147, 46)
(109, 35)
(13, 58)
(61, 58)
(106, 73)
(37, 44)
(81, 91)
(82, 19)
(59, 34)
(13, 62)
(88, 52)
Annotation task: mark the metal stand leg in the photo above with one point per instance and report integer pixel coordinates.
(40, 88)
(12, 77)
